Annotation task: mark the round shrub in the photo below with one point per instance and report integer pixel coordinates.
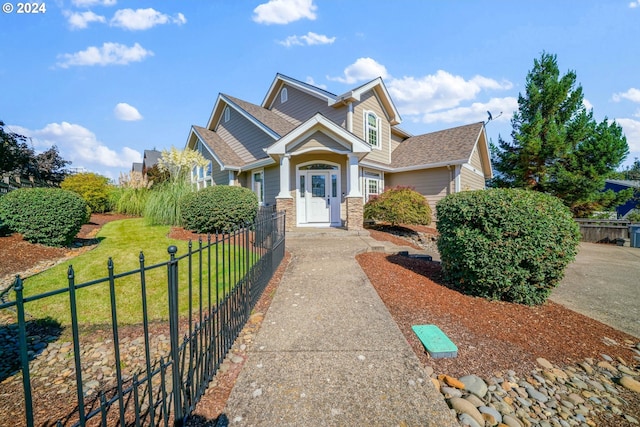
(49, 216)
(506, 244)
(93, 188)
(399, 205)
(220, 208)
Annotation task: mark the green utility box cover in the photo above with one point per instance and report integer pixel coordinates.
(435, 341)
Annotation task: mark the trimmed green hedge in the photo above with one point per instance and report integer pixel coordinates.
(399, 205)
(49, 216)
(506, 244)
(220, 208)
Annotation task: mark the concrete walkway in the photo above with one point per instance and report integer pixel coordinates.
(328, 352)
(604, 284)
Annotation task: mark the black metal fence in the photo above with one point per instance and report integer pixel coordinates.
(225, 276)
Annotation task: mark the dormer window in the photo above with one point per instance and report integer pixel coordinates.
(227, 114)
(372, 129)
(284, 95)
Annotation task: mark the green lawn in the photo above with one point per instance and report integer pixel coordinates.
(122, 241)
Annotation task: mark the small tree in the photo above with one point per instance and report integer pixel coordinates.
(93, 188)
(399, 205)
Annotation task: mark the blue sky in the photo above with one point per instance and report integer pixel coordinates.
(106, 79)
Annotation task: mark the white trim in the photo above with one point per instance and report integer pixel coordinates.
(304, 87)
(367, 127)
(472, 169)
(253, 183)
(413, 168)
(252, 119)
(456, 180)
(319, 122)
(301, 201)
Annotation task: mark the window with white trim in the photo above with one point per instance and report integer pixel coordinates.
(372, 129)
(227, 114)
(284, 95)
(372, 185)
(257, 184)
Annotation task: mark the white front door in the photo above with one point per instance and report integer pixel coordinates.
(318, 198)
(318, 195)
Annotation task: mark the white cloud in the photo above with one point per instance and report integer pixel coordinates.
(284, 11)
(309, 80)
(632, 95)
(108, 54)
(587, 104)
(81, 20)
(89, 3)
(634, 4)
(502, 110)
(309, 39)
(143, 19)
(79, 145)
(438, 91)
(631, 129)
(126, 112)
(361, 70)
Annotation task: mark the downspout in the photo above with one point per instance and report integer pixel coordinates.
(350, 117)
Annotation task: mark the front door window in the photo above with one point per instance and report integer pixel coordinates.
(318, 194)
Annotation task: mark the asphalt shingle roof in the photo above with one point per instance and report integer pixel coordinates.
(449, 145)
(273, 121)
(221, 149)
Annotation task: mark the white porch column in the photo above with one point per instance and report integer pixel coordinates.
(284, 177)
(232, 178)
(352, 172)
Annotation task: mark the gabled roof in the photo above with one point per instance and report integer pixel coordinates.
(378, 86)
(319, 122)
(223, 154)
(280, 79)
(151, 157)
(446, 147)
(273, 121)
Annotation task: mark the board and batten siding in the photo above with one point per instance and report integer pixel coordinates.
(434, 183)
(238, 129)
(370, 102)
(301, 106)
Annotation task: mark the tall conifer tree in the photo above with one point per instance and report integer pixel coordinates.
(557, 146)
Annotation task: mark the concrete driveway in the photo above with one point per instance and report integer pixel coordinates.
(604, 284)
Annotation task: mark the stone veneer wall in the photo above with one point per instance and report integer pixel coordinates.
(355, 215)
(287, 205)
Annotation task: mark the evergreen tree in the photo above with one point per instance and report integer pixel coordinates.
(557, 146)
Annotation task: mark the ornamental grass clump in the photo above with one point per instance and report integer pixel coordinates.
(506, 244)
(221, 208)
(399, 205)
(49, 216)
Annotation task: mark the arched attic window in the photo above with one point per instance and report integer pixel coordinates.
(372, 129)
(227, 114)
(284, 95)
